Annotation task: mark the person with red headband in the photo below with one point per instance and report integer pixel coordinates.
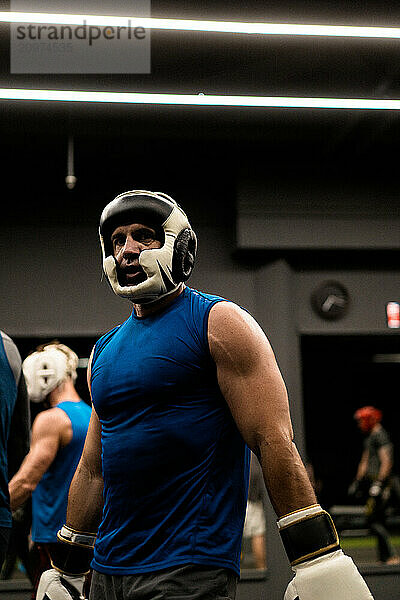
(374, 472)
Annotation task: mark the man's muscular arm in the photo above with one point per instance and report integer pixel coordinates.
(85, 499)
(386, 460)
(363, 465)
(50, 428)
(253, 387)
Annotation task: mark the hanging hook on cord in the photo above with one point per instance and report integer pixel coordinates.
(70, 179)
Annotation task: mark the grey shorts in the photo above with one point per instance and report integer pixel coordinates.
(194, 582)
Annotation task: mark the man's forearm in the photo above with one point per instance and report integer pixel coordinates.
(362, 467)
(288, 485)
(386, 464)
(19, 490)
(27, 477)
(361, 471)
(85, 500)
(384, 471)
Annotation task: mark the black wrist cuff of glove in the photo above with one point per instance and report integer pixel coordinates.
(74, 551)
(309, 537)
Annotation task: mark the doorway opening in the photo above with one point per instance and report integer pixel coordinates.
(341, 374)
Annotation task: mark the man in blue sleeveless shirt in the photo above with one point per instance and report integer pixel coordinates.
(58, 435)
(181, 391)
(14, 428)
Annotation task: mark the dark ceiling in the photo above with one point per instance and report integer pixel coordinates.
(200, 144)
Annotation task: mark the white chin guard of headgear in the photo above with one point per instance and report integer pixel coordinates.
(166, 267)
(47, 368)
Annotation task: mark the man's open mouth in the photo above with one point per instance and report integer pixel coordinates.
(131, 275)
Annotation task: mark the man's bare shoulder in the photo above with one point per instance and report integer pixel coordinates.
(52, 420)
(234, 333)
(229, 316)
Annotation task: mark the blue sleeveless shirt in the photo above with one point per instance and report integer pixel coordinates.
(175, 467)
(50, 498)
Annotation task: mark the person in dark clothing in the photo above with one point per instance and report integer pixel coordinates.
(374, 474)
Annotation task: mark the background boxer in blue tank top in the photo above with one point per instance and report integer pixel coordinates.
(180, 393)
(58, 435)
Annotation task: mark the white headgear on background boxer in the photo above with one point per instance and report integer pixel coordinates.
(165, 267)
(47, 368)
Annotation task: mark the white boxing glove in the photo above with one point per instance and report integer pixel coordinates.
(322, 571)
(333, 576)
(71, 557)
(54, 585)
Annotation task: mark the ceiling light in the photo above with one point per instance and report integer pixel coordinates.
(197, 25)
(197, 99)
(386, 358)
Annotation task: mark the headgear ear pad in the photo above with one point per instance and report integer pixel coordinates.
(184, 255)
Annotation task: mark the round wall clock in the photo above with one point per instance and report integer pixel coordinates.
(330, 300)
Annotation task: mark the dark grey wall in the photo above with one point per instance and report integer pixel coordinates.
(52, 281)
(369, 292)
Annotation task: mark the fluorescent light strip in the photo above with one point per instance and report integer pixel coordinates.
(193, 25)
(197, 99)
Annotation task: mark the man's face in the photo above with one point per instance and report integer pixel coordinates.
(128, 241)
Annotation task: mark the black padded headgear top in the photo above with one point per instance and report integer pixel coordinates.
(127, 208)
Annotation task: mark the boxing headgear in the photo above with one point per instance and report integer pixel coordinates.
(165, 267)
(47, 368)
(368, 417)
